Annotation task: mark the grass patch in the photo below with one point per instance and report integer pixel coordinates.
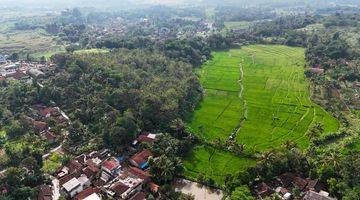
(214, 164)
(237, 25)
(53, 163)
(92, 51)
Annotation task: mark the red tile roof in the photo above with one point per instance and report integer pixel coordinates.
(49, 111)
(110, 164)
(154, 187)
(119, 188)
(141, 157)
(140, 173)
(87, 192)
(144, 139)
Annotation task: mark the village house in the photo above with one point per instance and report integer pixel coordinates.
(40, 126)
(111, 166)
(71, 188)
(262, 190)
(49, 136)
(35, 73)
(127, 185)
(140, 160)
(89, 176)
(145, 138)
(89, 194)
(308, 188)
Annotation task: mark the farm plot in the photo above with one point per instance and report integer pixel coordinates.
(265, 89)
(221, 110)
(277, 96)
(214, 164)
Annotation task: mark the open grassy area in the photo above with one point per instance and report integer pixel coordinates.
(34, 42)
(237, 25)
(260, 92)
(214, 163)
(91, 51)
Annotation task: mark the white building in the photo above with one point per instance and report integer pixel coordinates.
(72, 187)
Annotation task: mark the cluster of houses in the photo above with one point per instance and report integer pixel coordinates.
(100, 175)
(24, 70)
(282, 186)
(41, 115)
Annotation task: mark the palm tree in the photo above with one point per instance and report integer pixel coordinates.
(332, 158)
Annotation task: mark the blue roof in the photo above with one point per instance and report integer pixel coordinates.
(144, 165)
(2, 58)
(120, 158)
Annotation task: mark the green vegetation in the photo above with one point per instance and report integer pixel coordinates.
(53, 163)
(91, 51)
(260, 93)
(214, 164)
(237, 25)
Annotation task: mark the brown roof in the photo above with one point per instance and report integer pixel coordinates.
(140, 173)
(40, 126)
(45, 192)
(263, 190)
(18, 75)
(313, 184)
(74, 165)
(139, 196)
(49, 135)
(287, 179)
(119, 188)
(87, 192)
(98, 183)
(144, 139)
(141, 157)
(49, 111)
(299, 183)
(68, 177)
(91, 171)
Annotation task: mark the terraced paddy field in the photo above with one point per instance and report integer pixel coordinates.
(260, 92)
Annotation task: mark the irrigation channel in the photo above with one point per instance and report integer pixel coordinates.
(244, 103)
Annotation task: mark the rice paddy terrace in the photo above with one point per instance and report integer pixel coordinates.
(259, 93)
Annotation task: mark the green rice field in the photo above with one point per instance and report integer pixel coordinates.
(260, 92)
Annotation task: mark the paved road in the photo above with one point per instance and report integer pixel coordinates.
(56, 188)
(56, 149)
